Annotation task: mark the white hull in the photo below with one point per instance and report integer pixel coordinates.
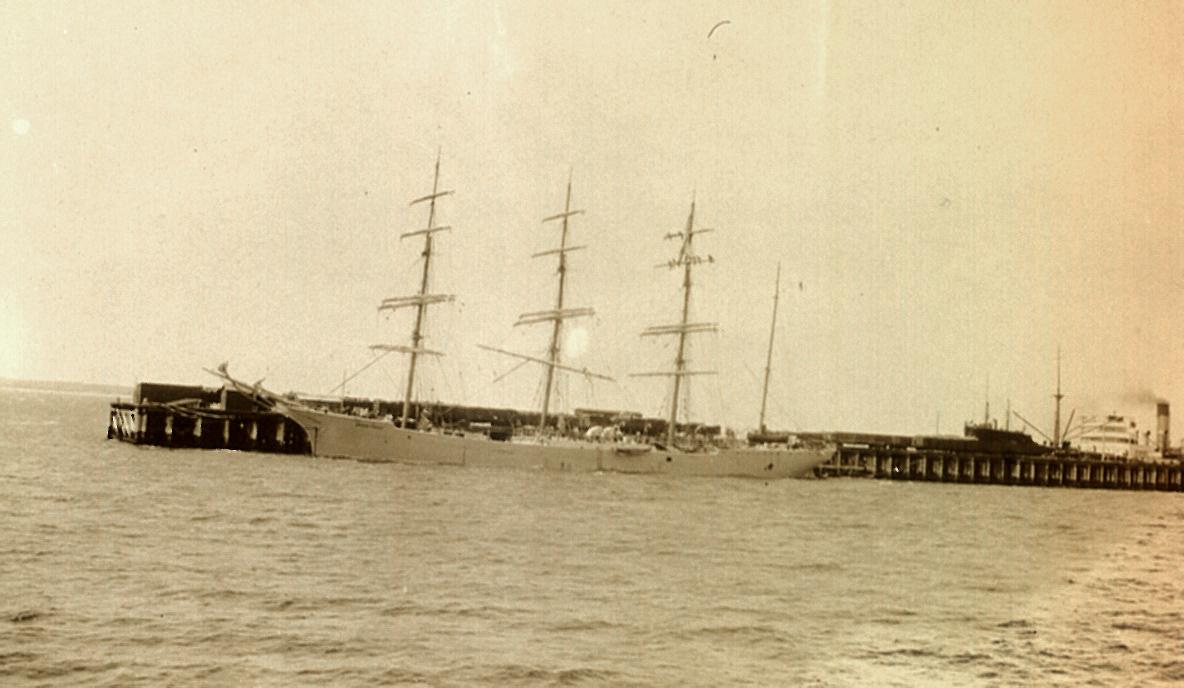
(342, 436)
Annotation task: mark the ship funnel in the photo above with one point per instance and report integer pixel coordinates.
(1163, 433)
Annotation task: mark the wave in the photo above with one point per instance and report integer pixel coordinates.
(59, 669)
(912, 652)
(1141, 627)
(484, 611)
(969, 658)
(25, 616)
(533, 675)
(322, 603)
(1015, 623)
(1170, 670)
(819, 566)
(577, 626)
(745, 634)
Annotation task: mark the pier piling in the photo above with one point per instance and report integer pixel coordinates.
(1038, 470)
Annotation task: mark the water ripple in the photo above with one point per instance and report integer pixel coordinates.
(121, 566)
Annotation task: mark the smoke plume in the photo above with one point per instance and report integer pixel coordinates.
(1143, 396)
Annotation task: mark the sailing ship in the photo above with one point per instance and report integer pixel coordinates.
(412, 441)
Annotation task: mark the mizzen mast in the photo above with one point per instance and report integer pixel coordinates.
(686, 259)
(769, 356)
(421, 300)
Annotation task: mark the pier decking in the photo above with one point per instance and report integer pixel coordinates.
(1048, 470)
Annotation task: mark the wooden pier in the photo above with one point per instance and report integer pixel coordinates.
(186, 416)
(165, 425)
(1048, 470)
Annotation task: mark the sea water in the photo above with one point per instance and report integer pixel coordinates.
(125, 566)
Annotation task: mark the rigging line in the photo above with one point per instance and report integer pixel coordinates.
(454, 383)
(785, 414)
(464, 388)
(780, 411)
(773, 399)
(439, 379)
(685, 404)
(361, 370)
(503, 376)
(724, 412)
(566, 395)
(320, 362)
(630, 401)
(537, 401)
(590, 395)
(665, 401)
(724, 415)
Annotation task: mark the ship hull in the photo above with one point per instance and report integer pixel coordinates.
(341, 436)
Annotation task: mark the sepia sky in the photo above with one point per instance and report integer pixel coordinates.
(952, 190)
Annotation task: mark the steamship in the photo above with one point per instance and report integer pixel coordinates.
(1117, 436)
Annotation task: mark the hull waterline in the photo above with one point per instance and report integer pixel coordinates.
(341, 436)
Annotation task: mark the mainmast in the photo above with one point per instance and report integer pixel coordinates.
(769, 356)
(553, 350)
(686, 259)
(421, 300)
(557, 315)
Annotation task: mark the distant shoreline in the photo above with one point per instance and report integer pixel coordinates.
(59, 386)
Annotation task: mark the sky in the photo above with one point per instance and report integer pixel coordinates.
(952, 190)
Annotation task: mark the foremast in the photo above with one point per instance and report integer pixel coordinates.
(422, 299)
(557, 315)
(687, 259)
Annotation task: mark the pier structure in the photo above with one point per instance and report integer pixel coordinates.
(165, 425)
(183, 416)
(201, 418)
(886, 457)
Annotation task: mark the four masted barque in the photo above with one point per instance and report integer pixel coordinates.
(407, 440)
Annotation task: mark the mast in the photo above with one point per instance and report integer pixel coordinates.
(686, 259)
(680, 361)
(987, 400)
(1056, 423)
(769, 356)
(553, 351)
(557, 315)
(421, 300)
